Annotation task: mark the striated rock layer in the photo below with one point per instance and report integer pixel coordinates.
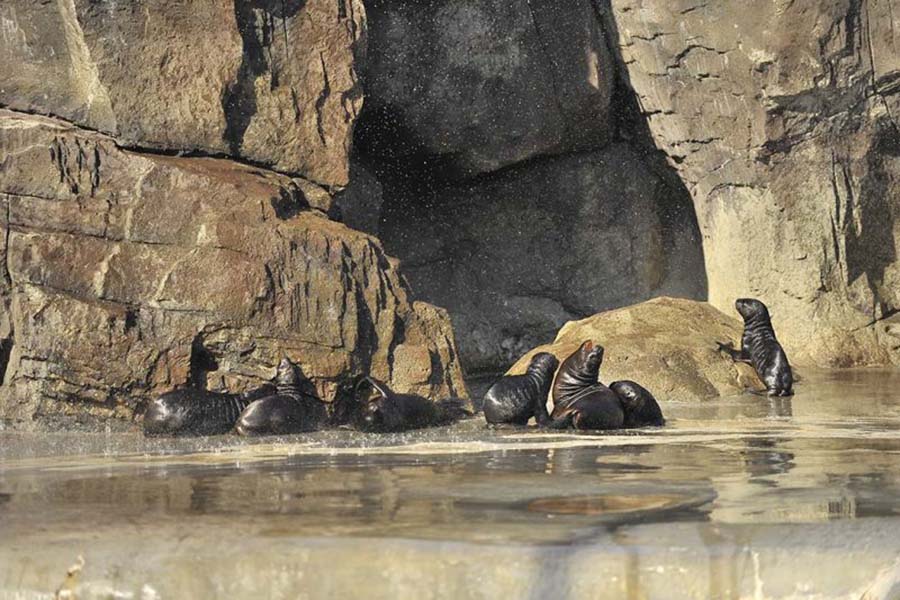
(668, 345)
(127, 274)
(270, 81)
(783, 120)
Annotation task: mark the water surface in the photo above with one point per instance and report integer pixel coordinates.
(743, 497)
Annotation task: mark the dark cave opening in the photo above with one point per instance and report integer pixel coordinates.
(516, 251)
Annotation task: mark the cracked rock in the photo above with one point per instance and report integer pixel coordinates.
(801, 158)
(269, 81)
(130, 273)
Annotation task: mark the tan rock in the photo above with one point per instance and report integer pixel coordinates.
(668, 345)
(129, 274)
(271, 82)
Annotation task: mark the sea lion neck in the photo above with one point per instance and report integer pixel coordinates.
(543, 366)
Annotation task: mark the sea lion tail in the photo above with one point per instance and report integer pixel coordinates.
(454, 409)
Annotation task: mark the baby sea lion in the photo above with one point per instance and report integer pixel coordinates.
(289, 410)
(579, 399)
(760, 348)
(640, 407)
(512, 399)
(391, 412)
(198, 412)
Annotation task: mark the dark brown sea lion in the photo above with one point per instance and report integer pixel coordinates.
(391, 412)
(512, 399)
(579, 399)
(192, 411)
(640, 407)
(289, 410)
(760, 348)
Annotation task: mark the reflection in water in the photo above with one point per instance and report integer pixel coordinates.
(780, 406)
(698, 496)
(763, 460)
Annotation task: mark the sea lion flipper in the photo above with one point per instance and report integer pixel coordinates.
(453, 409)
(379, 387)
(736, 355)
(564, 422)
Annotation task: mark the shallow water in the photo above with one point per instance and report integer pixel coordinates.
(738, 498)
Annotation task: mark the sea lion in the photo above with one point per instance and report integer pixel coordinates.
(198, 412)
(640, 407)
(391, 412)
(289, 410)
(579, 399)
(512, 399)
(760, 348)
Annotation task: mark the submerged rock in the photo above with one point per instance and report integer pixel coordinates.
(128, 274)
(668, 344)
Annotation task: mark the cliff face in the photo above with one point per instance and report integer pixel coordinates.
(782, 120)
(269, 81)
(134, 261)
(781, 140)
(509, 192)
(173, 216)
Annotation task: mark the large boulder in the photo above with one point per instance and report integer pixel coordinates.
(668, 345)
(479, 85)
(127, 274)
(270, 81)
(515, 255)
(783, 119)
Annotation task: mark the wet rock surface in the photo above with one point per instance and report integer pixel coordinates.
(668, 345)
(128, 274)
(272, 82)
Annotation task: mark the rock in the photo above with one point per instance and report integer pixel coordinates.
(476, 86)
(359, 204)
(267, 81)
(515, 255)
(127, 274)
(668, 345)
(787, 138)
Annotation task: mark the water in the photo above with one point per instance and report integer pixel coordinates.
(738, 498)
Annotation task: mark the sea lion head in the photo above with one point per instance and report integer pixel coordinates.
(163, 416)
(287, 374)
(371, 414)
(751, 308)
(591, 356)
(641, 408)
(543, 364)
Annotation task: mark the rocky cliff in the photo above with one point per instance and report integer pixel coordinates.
(775, 127)
(166, 224)
(127, 274)
(175, 215)
(782, 120)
